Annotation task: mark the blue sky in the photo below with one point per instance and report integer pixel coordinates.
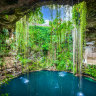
(47, 13)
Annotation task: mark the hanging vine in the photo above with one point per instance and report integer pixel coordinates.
(79, 19)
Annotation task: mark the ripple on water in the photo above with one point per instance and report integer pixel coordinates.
(24, 80)
(80, 94)
(62, 74)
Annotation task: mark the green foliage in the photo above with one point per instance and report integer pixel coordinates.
(6, 94)
(41, 39)
(90, 70)
(45, 40)
(4, 47)
(6, 16)
(23, 60)
(36, 16)
(79, 22)
(63, 42)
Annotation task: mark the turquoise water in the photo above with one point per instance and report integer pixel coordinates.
(48, 83)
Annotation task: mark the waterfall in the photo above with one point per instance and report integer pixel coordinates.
(79, 10)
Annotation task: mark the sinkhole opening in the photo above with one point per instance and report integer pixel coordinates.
(48, 38)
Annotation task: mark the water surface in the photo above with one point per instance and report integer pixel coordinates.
(49, 83)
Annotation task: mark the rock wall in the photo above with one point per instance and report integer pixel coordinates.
(12, 10)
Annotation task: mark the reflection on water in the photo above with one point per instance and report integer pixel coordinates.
(57, 85)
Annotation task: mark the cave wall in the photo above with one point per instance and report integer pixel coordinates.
(12, 10)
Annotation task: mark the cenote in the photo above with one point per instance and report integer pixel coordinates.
(55, 36)
(49, 83)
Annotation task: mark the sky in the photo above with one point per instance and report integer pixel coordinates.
(64, 14)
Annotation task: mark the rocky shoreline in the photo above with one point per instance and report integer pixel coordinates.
(20, 73)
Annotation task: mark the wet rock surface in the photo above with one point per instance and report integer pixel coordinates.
(90, 49)
(12, 10)
(9, 68)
